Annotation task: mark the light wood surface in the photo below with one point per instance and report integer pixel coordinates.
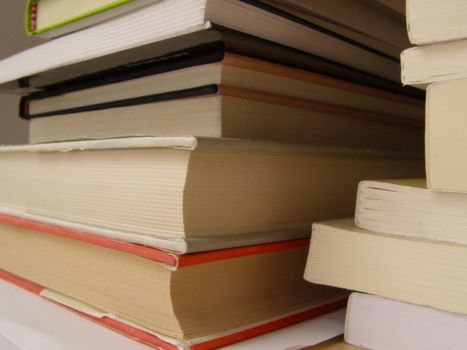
(337, 343)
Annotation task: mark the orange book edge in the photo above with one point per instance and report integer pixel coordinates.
(172, 260)
(159, 343)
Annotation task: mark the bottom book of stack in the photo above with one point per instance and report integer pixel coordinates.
(173, 301)
(378, 323)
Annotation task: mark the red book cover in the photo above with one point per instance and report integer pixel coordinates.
(173, 261)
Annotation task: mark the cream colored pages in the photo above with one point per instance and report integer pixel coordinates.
(423, 272)
(170, 188)
(407, 208)
(446, 160)
(433, 63)
(432, 21)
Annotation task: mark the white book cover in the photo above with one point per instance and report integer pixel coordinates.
(169, 19)
(384, 324)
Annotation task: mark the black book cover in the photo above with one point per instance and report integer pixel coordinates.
(208, 45)
(166, 96)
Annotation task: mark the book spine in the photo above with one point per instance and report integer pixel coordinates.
(30, 17)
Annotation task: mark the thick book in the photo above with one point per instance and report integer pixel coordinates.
(55, 327)
(169, 19)
(444, 140)
(367, 22)
(412, 270)
(422, 65)
(187, 193)
(408, 208)
(378, 323)
(51, 18)
(202, 300)
(436, 21)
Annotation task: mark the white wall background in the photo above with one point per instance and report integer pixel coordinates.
(12, 40)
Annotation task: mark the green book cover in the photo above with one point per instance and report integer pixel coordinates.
(31, 9)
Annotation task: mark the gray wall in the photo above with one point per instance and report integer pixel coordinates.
(12, 40)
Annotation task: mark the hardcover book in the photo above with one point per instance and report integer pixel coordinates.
(187, 193)
(171, 301)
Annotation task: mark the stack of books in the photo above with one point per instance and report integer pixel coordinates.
(407, 245)
(179, 152)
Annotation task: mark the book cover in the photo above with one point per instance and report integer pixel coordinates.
(373, 322)
(49, 19)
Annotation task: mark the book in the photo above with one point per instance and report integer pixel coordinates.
(179, 74)
(378, 323)
(212, 298)
(445, 108)
(57, 328)
(51, 18)
(408, 208)
(422, 65)
(433, 21)
(187, 193)
(232, 113)
(417, 271)
(168, 19)
(368, 23)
